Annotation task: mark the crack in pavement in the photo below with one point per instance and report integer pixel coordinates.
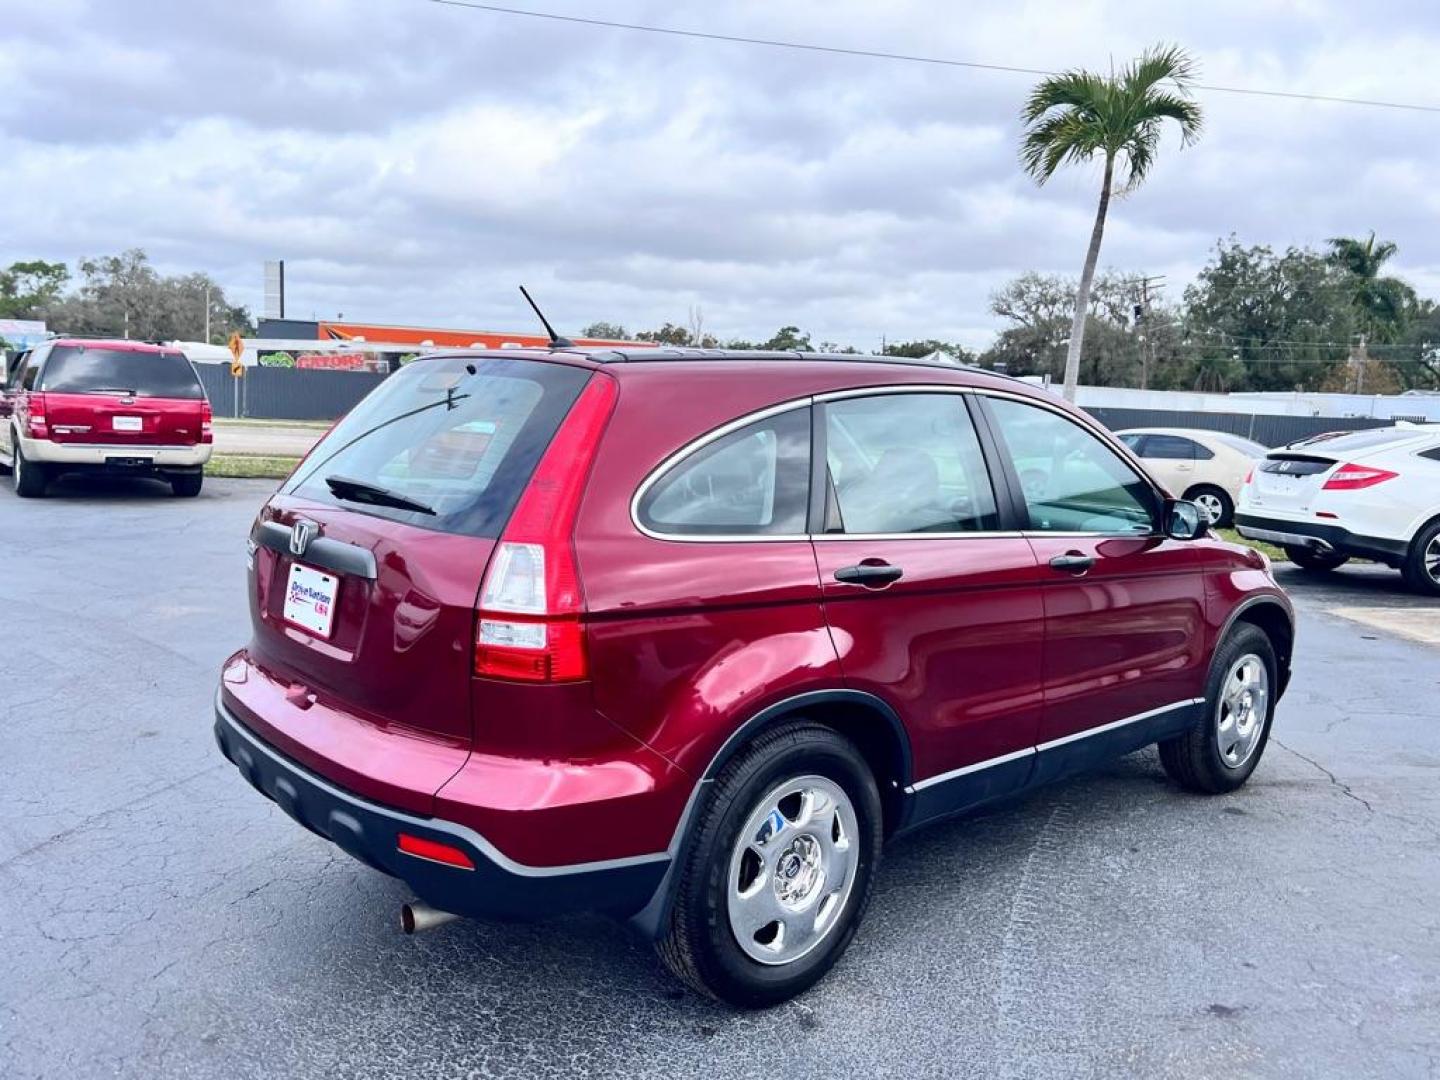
(1344, 787)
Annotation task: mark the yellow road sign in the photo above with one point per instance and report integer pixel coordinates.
(237, 347)
(237, 369)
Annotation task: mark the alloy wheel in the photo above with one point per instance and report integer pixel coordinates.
(792, 869)
(1244, 705)
(1431, 559)
(1211, 505)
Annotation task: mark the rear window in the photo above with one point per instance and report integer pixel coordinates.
(78, 369)
(1359, 440)
(459, 436)
(1239, 442)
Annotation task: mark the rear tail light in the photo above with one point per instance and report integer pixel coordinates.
(528, 625)
(1250, 475)
(1355, 477)
(38, 430)
(207, 423)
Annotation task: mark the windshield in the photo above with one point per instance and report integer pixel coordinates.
(447, 443)
(79, 369)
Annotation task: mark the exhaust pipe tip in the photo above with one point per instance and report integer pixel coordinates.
(416, 917)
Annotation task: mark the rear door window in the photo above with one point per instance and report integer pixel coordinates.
(754, 481)
(906, 463)
(446, 443)
(1170, 448)
(79, 369)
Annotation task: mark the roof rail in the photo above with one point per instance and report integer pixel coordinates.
(678, 353)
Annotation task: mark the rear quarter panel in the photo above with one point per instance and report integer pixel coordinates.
(688, 639)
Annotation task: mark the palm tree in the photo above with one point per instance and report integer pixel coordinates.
(1076, 116)
(1382, 304)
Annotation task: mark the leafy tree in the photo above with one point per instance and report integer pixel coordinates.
(1077, 116)
(788, 339)
(916, 349)
(669, 334)
(606, 331)
(1261, 321)
(123, 296)
(28, 288)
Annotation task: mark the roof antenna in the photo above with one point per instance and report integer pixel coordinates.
(556, 341)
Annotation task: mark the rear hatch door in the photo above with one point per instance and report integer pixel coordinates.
(369, 561)
(1288, 482)
(124, 397)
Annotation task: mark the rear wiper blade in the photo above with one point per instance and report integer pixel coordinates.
(343, 487)
(112, 390)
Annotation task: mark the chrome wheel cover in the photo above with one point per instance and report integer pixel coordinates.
(792, 869)
(1211, 505)
(1242, 711)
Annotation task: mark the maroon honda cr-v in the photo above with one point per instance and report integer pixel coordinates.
(684, 635)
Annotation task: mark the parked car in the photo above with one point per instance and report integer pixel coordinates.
(1206, 467)
(683, 636)
(1373, 494)
(78, 405)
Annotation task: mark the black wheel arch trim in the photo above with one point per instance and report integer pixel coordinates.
(651, 920)
(1283, 607)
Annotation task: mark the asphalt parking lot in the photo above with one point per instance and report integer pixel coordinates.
(158, 918)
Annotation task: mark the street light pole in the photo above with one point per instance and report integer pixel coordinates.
(207, 314)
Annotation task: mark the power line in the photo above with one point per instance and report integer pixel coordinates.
(874, 54)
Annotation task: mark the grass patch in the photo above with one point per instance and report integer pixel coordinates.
(1275, 553)
(251, 466)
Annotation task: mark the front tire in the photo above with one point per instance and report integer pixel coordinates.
(1218, 754)
(1422, 564)
(30, 478)
(780, 869)
(1317, 562)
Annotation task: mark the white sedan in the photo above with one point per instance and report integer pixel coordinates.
(1206, 467)
(1373, 494)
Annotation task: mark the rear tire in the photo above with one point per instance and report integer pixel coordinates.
(1316, 561)
(1422, 564)
(1214, 503)
(792, 828)
(30, 478)
(187, 485)
(1219, 753)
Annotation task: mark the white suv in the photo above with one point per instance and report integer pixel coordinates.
(1374, 494)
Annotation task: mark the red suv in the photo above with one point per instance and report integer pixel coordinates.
(683, 635)
(78, 405)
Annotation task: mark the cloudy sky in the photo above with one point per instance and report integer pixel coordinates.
(412, 162)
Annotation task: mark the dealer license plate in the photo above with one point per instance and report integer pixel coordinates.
(310, 599)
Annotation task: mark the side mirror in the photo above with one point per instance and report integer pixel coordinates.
(1184, 520)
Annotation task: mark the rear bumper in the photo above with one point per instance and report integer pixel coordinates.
(100, 455)
(497, 888)
(1311, 534)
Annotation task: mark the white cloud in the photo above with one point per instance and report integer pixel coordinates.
(413, 163)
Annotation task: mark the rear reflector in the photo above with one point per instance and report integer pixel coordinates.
(433, 850)
(1355, 477)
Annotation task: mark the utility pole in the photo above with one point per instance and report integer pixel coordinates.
(207, 314)
(1142, 315)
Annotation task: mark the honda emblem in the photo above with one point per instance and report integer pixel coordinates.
(301, 533)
